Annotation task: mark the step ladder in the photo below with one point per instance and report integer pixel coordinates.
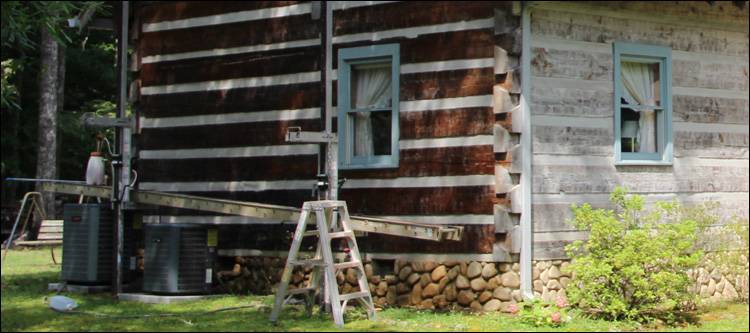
(332, 223)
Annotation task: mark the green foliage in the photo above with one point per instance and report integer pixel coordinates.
(633, 264)
(9, 91)
(22, 20)
(539, 313)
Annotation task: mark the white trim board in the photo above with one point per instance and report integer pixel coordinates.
(446, 103)
(248, 82)
(229, 51)
(230, 118)
(463, 141)
(251, 151)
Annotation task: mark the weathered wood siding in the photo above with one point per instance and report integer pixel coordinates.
(573, 108)
(220, 82)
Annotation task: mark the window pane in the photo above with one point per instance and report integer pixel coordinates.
(640, 83)
(371, 133)
(639, 132)
(371, 86)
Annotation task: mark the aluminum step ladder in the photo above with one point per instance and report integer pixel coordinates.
(332, 223)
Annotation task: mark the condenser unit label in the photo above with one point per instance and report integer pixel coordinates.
(208, 275)
(213, 237)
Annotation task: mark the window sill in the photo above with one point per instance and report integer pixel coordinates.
(644, 163)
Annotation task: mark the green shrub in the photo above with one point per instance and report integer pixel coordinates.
(633, 264)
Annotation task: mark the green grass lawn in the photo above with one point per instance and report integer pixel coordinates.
(27, 273)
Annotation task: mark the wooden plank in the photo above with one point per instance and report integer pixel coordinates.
(698, 109)
(602, 28)
(226, 169)
(446, 84)
(705, 73)
(694, 14)
(380, 17)
(169, 11)
(258, 64)
(477, 239)
(225, 135)
(420, 201)
(551, 217)
(571, 100)
(290, 97)
(293, 28)
(682, 178)
(446, 123)
(573, 140)
(549, 62)
(431, 162)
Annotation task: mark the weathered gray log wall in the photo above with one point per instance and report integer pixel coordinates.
(573, 109)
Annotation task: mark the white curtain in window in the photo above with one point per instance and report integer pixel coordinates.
(373, 91)
(638, 89)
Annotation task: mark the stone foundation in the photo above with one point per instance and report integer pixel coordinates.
(475, 285)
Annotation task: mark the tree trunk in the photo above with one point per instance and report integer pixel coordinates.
(47, 138)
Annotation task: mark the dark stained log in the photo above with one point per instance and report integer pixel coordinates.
(244, 65)
(410, 14)
(229, 169)
(446, 123)
(446, 84)
(228, 135)
(288, 97)
(170, 11)
(221, 36)
(419, 201)
(433, 162)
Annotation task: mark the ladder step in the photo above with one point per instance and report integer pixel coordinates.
(311, 262)
(49, 237)
(300, 291)
(354, 295)
(39, 243)
(355, 264)
(310, 233)
(341, 234)
(52, 223)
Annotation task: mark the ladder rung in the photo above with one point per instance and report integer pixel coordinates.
(52, 223)
(341, 265)
(341, 234)
(299, 291)
(311, 262)
(310, 233)
(359, 294)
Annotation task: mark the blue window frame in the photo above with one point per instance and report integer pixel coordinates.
(368, 106)
(643, 104)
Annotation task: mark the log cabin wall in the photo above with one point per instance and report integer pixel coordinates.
(218, 84)
(573, 108)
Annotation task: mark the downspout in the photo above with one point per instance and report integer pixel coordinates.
(526, 175)
(121, 193)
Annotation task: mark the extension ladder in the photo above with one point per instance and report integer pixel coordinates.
(332, 222)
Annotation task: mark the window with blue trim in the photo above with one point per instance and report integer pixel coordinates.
(643, 104)
(368, 87)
